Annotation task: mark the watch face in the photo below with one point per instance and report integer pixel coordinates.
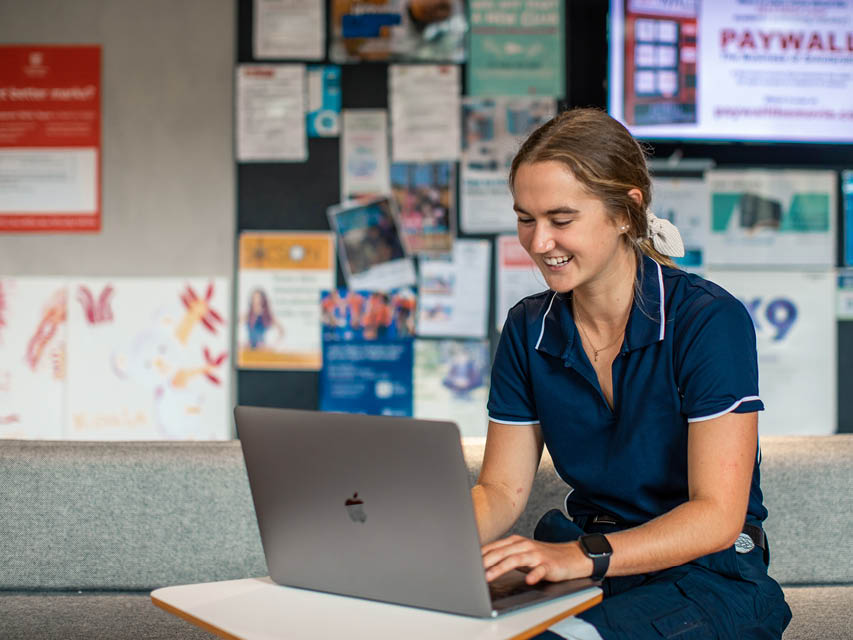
(596, 544)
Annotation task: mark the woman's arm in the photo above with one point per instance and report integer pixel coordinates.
(720, 458)
(506, 477)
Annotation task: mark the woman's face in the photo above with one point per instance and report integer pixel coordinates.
(566, 230)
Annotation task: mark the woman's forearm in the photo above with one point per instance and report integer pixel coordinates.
(691, 530)
(495, 510)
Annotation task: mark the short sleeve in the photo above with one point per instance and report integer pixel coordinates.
(511, 395)
(716, 360)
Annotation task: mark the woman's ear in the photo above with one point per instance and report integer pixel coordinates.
(636, 195)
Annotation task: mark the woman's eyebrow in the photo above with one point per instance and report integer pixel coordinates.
(550, 212)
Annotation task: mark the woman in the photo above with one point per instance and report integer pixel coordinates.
(642, 380)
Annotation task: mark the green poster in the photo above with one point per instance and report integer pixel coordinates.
(517, 47)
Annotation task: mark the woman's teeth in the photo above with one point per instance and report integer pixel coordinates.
(556, 262)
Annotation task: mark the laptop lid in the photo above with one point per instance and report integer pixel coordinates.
(368, 506)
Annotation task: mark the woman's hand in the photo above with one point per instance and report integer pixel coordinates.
(546, 560)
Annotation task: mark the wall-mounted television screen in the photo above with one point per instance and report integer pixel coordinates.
(762, 70)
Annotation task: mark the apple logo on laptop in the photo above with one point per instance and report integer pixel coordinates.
(355, 508)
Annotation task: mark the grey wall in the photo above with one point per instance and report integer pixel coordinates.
(167, 155)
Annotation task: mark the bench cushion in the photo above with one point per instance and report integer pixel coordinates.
(126, 516)
(73, 616)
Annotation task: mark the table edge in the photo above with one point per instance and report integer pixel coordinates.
(193, 620)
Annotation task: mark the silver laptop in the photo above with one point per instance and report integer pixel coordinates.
(373, 507)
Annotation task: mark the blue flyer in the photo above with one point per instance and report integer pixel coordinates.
(368, 352)
(323, 114)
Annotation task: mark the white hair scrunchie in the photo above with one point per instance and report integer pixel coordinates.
(665, 236)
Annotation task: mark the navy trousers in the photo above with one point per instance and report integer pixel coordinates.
(725, 595)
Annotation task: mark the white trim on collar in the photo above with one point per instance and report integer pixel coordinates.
(662, 313)
(542, 330)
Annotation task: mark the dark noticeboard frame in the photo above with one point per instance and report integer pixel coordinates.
(294, 196)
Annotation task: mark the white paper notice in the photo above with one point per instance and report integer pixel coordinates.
(494, 128)
(61, 181)
(364, 153)
(783, 218)
(271, 113)
(686, 203)
(148, 359)
(845, 294)
(518, 277)
(454, 291)
(33, 329)
(794, 317)
(425, 112)
(294, 29)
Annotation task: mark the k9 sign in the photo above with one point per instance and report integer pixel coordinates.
(794, 318)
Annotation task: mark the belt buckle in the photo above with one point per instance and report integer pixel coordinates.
(744, 543)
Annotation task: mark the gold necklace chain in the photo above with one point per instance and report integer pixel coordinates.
(597, 351)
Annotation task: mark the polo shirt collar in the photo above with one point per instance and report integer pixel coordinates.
(646, 323)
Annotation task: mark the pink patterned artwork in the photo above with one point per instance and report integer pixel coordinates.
(198, 310)
(98, 310)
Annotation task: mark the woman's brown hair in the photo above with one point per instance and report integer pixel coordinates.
(604, 157)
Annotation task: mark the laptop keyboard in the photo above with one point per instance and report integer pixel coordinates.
(505, 590)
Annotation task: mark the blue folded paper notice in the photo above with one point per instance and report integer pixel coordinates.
(367, 25)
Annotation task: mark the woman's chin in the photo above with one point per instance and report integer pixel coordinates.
(559, 282)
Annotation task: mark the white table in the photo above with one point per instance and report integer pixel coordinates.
(259, 609)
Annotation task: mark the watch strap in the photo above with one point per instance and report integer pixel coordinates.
(600, 564)
(600, 561)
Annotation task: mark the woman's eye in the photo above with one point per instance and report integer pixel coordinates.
(561, 223)
(525, 220)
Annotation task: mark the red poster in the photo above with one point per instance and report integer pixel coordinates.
(50, 138)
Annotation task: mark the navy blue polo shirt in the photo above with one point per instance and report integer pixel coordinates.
(689, 355)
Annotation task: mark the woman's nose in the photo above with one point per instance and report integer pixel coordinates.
(542, 240)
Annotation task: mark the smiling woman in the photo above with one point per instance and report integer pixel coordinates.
(642, 381)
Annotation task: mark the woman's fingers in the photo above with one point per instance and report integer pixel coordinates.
(503, 542)
(546, 561)
(509, 563)
(537, 574)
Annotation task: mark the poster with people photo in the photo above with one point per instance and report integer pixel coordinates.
(425, 197)
(367, 351)
(452, 383)
(372, 253)
(398, 30)
(280, 277)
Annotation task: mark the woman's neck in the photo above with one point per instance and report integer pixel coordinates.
(605, 302)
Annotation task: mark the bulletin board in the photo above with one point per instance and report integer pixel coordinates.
(295, 196)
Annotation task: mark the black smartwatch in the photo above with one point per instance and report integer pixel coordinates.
(597, 548)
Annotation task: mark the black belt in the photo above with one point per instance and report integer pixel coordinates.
(756, 534)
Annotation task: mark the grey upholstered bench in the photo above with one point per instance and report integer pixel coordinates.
(87, 530)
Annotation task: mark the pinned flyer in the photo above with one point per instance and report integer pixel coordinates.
(455, 291)
(425, 195)
(372, 253)
(280, 279)
(452, 383)
(367, 351)
(364, 153)
(271, 113)
(494, 129)
(518, 277)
